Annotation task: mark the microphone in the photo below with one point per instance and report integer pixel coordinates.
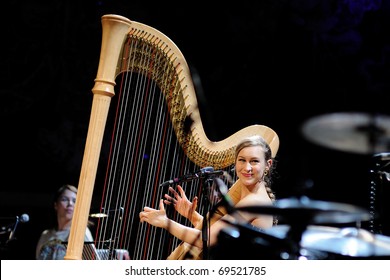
(24, 218)
(202, 173)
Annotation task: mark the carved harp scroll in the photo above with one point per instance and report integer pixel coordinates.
(132, 47)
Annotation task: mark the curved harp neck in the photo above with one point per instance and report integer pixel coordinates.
(169, 69)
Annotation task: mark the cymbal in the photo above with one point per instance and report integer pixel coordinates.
(360, 133)
(355, 242)
(310, 211)
(349, 241)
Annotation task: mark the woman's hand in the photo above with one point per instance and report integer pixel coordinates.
(181, 203)
(157, 218)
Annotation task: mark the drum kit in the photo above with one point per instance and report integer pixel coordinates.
(305, 232)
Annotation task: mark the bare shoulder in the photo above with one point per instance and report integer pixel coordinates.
(254, 200)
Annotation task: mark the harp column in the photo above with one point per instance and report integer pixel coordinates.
(114, 29)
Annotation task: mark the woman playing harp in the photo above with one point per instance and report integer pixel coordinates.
(153, 133)
(253, 166)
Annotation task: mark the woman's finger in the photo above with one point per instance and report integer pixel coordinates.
(173, 191)
(182, 192)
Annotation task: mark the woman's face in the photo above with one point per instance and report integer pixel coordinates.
(65, 205)
(250, 165)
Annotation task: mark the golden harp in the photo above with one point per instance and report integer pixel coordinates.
(155, 133)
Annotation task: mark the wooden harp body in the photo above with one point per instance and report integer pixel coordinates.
(154, 133)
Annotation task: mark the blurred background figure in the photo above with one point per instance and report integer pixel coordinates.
(52, 242)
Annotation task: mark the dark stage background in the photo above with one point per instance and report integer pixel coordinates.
(275, 63)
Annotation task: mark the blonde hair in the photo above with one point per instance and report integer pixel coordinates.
(62, 189)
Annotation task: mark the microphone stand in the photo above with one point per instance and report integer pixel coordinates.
(12, 234)
(206, 192)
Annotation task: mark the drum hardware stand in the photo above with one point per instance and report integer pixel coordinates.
(374, 134)
(377, 179)
(295, 234)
